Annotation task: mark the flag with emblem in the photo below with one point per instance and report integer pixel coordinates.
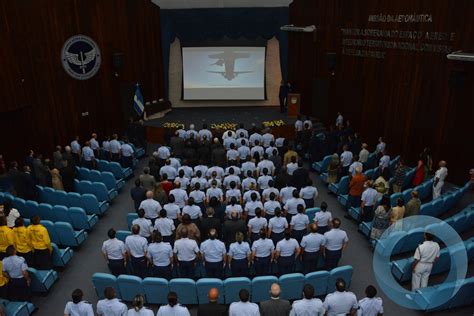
(138, 103)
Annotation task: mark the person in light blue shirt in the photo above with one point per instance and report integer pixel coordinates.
(78, 307)
(127, 154)
(311, 246)
(335, 241)
(287, 250)
(17, 270)
(173, 308)
(115, 147)
(239, 256)
(76, 150)
(299, 223)
(213, 254)
(256, 224)
(186, 251)
(88, 158)
(368, 200)
(160, 255)
(262, 254)
(137, 247)
(94, 144)
(308, 306)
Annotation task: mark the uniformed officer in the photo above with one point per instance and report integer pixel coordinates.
(94, 144)
(106, 148)
(6, 237)
(146, 228)
(214, 191)
(160, 256)
(270, 206)
(239, 256)
(309, 193)
(277, 226)
(256, 224)
(440, 176)
(17, 270)
(370, 305)
(335, 241)
(173, 307)
(193, 211)
(199, 196)
(323, 218)
(286, 193)
(114, 253)
(88, 156)
(368, 200)
(137, 247)
(111, 305)
(76, 150)
(233, 192)
(180, 195)
(252, 206)
(78, 307)
(169, 170)
(341, 302)
(151, 207)
(291, 205)
(287, 250)
(165, 226)
(115, 147)
(425, 256)
(299, 224)
(264, 179)
(185, 251)
(172, 210)
(241, 131)
(213, 254)
(311, 246)
(41, 244)
(127, 154)
(244, 306)
(233, 206)
(262, 254)
(308, 305)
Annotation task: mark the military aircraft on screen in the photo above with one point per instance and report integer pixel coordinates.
(227, 59)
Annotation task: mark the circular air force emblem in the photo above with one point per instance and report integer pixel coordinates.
(81, 57)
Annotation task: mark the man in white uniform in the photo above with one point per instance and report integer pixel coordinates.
(308, 305)
(425, 255)
(341, 302)
(440, 175)
(111, 305)
(370, 305)
(244, 307)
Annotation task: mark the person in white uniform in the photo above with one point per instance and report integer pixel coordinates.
(165, 226)
(244, 307)
(173, 308)
(311, 246)
(323, 218)
(160, 255)
(213, 254)
(78, 307)
(299, 223)
(146, 228)
(425, 256)
(256, 224)
(138, 308)
(185, 251)
(286, 252)
(151, 207)
(440, 176)
(335, 242)
(111, 305)
(137, 247)
(308, 306)
(370, 305)
(262, 254)
(115, 253)
(341, 302)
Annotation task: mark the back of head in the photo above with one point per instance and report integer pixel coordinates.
(275, 290)
(263, 233)
(19, 222)
(336, 222)
(77, 296)
(370, 291)
(313, 227)
(308, 291)
(210, 212)
(184, 232)
(244, 295)
(340, 285)
(212, 234)
(213, 295)
(239, 237)
(287, 234)
(400, 202)
(35, 220)
(138, 302)
(141, 213)
(324, 206)
(111, 233)
(109, 293)
(156, 237)
(135, 229)
(172, 299)
(186, 219)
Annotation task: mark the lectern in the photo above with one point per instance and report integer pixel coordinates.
(293, 102)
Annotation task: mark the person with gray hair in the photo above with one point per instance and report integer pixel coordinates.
(147, 180)
(275, 306)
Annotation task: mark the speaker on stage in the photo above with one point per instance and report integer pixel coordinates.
(320, 104)
(117, 62)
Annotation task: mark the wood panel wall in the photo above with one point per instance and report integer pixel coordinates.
(405, 96)
(40, 104)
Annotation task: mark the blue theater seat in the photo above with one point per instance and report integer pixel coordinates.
(31, 209)
(103, 280)
(53, 235)
(42, 280)
(17, 308)
(118, 171)
(365, 228)
(130, 218)
(322, 166)
(91, 204)
(394, 197)
(103, 194)
(204, 285)
(74, 199)
(291, 285)
(186, 290)
(408, 179)
(260, 287)
(370, 173)
(129, 286)
(19, 203)
(68, 236)
(232, 287)
(110, 182)
(122, 234)
(156, 290)
(61, 214)
(319, 280)
(344, 272)
(45, 211)
(80, 220)
(341, 187)
(61, 257)
(311, 212)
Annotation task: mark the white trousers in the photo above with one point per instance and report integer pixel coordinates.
(421, 275)
(437, 190)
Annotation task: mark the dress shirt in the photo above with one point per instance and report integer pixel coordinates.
(160, 253)
(308, 192)
(111, 307)
(87, 153)
(263, 247)
(270, 207)
(305, 307)
(299, 221)
(194, 211)
(277, 224)
(146, 228)
(312, 242)
(176, 310)
(198, 196)
(127, 150)
(114, 249)
(14, 266)
(239, 251)
(291, 205)
(286, 193)
(340, 303)
(115, 146)
(163, 152)
(151, 207)
(82, 308)
(180, 197)
(288, 247)
(213, 250)
(335, 239)
(136, 245)
(346, 158)
(172, 210)
(257, 223)
(369, 197)
(185, 249)
(165, 226)
(323, 218)
(251, 206)
(243, 309)
(370, 307)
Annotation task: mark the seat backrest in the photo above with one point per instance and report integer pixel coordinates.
(130, 218)
(129, 286)
(325, 163)
(156, 290)
(291, 285)
(412, 239)
(19, 203)
(406, 195)
(45, 211)
(186, 290)
(437, 206)
(95, 176)
(204, 285)
(79, 218)
(31, 209)
(464, 295)
(232, 286)
(109, 180)
(61, 213)
(369, 173)
(122, 234)
(48, 195)
(102, 281)
(51, 231)
(66, 234)
(319, 280)
(311, 212)
(394, 197)
(408, 179)
(61, 198)
(90, 203)
(100, 191)
(260, 287)
(344, 272)
(83, 173)
(102, 165)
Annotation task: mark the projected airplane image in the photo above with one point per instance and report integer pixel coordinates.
(227, 59)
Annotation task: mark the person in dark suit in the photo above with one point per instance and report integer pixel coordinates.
(68, 173)
(300, 176)
(210, 222)
(275, 306)
(218, 155)
(177, 145)
(26, 186)
(204, 151)
(232, 227)
(283, 95)
(138, 194)
(213, 307)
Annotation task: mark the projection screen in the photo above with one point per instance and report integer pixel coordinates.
(223, 73)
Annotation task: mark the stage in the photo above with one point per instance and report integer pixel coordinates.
(218, 117)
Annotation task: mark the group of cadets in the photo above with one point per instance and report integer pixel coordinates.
(253, 222)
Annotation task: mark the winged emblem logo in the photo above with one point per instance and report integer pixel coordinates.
(82, 59)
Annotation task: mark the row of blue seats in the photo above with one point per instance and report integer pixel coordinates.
(63, 234)
(428, 298)
(402, 268)
(409, 240)
(17, 308)
(105, 177)
(75, 216)
(322, 166)
(88, 202)
(192, 292)
(114, 167)
(96, 188)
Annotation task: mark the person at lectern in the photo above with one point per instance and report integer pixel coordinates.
(283, 95)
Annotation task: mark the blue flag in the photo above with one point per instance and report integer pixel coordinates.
(138, 101)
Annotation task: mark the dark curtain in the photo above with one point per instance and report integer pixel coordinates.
(194, 25)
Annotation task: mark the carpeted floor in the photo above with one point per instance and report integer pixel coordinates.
(88, 259)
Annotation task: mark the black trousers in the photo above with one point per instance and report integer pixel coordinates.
(18, 290)
(186, 269)
(310, 261)
(115, 157)
(282, 103)
(332, 258)
(127, 162)
(276, 237)
(139, 266)
(298, 234)
(262, 265)
(162, 272)
(368, 214)
(29, 257)
(117, 267)
(42, 259)
(214, 269)
(239, 267)
(286, 265)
